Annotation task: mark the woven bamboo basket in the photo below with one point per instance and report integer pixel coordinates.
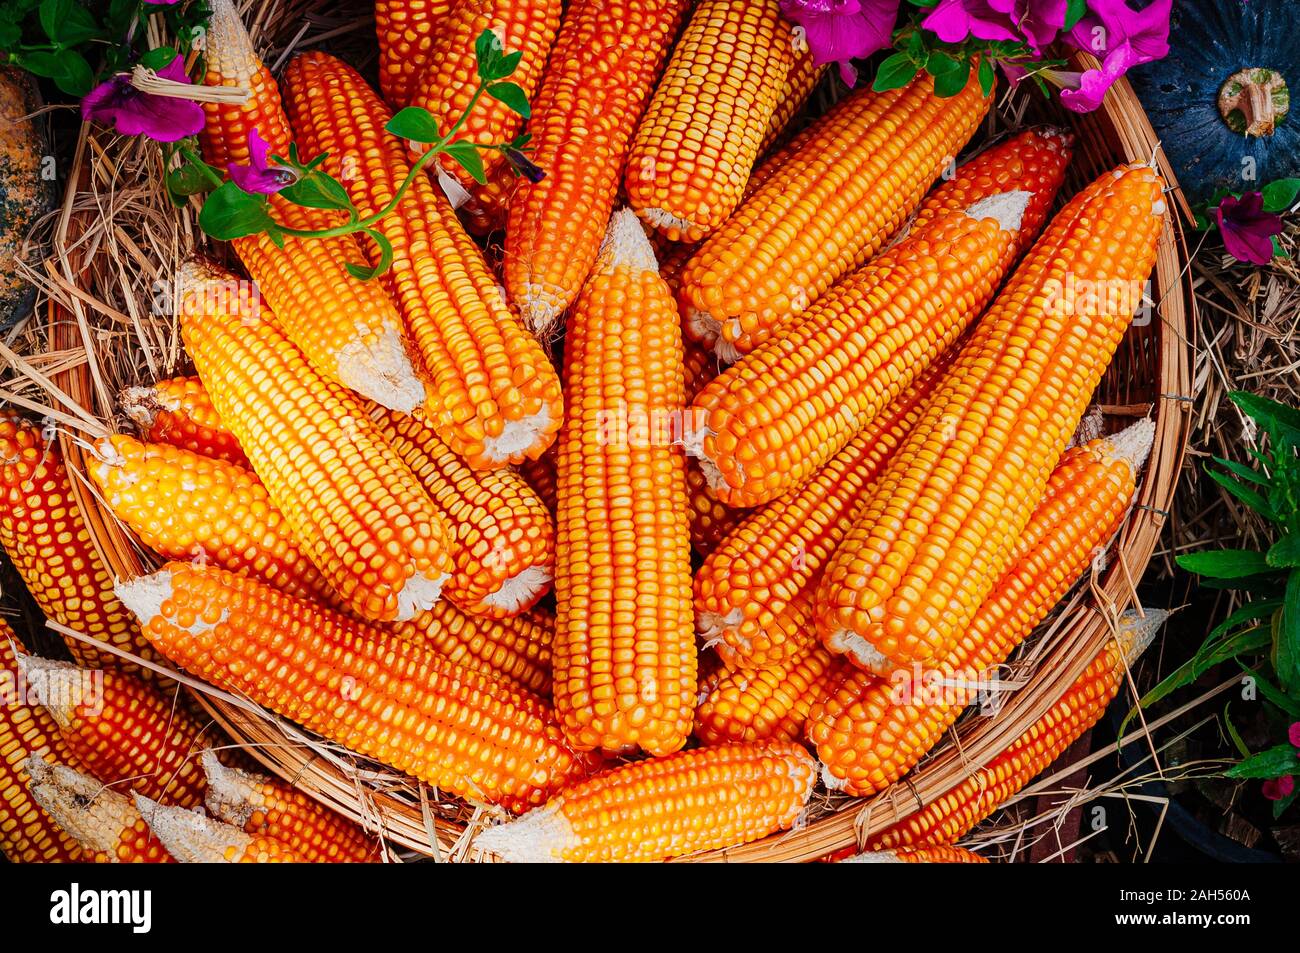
(81, 369)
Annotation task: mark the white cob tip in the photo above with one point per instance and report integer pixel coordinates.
(93, 815)
(517, 436)
(703, 326)
(1137, 630)
(145, 595)
(1133, 443)
(520, 590)
(230, 791)
(59, 687)
(875, 857)
(666, 221)
(380, 368)
(140, 404)
(726, 351)
(863, 653)
(626, 245)
(191, 837)
(1005, 208)
(418, 594)
(540, 310)
(833, 782)
(537, 837)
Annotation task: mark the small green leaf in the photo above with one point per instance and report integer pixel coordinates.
(1285, 553)
(1233, 734)
(895, 72)
(1280, 195)
(949, 80)
(74, 75)
(1272, 694)
(466, 153)
(512, 96)
(1240, 469)
(1273, 762)
(1286, 650)
(1225, 563)
(988, 77)
(415, 124)
(1280, 806)
(1074, 11)
(493, 61)
(1281, 422)
(158, 57)
(186, 180)
(1251, 498)
(362, 273)
(52, 14)
(318, 190)
(230, 212)
(1278, 250)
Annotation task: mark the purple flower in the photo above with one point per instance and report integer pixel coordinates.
(259, 175)
(1087, 89)
(1293, 734)
(1275, 789)
(525, 166)
(954, 20)
(839, 31)
(1247, 229)
(1109, 24)
(132, 112)
(1039, 20)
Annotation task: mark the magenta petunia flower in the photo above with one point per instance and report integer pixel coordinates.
(1293, 734)
(1086, 90)
(1275, 789)
(132, 112)
(1039, 21)
(840, 31)
(259, 175)
(1247, 229)
(955, 20)
(1109, 24)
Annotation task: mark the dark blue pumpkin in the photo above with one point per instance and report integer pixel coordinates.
(1211, 42)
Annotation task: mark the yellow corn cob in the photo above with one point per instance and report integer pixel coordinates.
(180, 413)
(711, 521)
(347, 328)
(503, 536)
(987, 788)
(772, 554)
(941, 854)
(858, 173)
(103, 821)
(602, 73)
(869, 731)
(262, 807)
(515, 650)
(446, 86)
(361, 517)
(407, 30)
(483, 209)
(769, 703)
(624, 642)
(121, 730)
(494, 396)
(384, 697)
(45, 534)
(938, 530)
(192, 838)
(705, 125)
(540, 475)
(28, 834)
(802, 79)
(709, 798)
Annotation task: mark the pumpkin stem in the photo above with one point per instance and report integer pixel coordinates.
(1253, 101)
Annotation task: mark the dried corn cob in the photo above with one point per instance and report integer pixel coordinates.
(624, 640)
(516, 650)
(120, 729)
(711, 520)
(262, 807)
(709, 798)
(179, 412)
(494, 396)
(28, 834)
(858, 173)
(540, 475)
(601, 76)
(484, 208)
(989, 787)
(503, 536)
(103, 821)
(869, 732)
(407, 31)
(773, 552)
(938, 530)
(192, 838)
(705, 125)
(382, 696)
(183, 505)
(446, 87)
(347, 328)
(769, 703)
(45, 534)
(799, 83)
(361, 517)
(939, 854)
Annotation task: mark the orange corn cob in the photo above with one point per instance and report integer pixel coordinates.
(938, 530)
(709, 798)
(773, 553)
(485, 208)
(362, 517)
(192, 838)
(601, 76)
(540, 475)
(183, 505)
(347, 328)
(941, 854)
(380, 695)
(705, 125)
(869, 732)
(987, 788)
(769, 703)
(711, 520)
(28, 834)
(45, 534)
(494, 395)
(103, 821)
(503, 536)
(673, 257)
(407, 31)
(624, 642)
(446, 87)
(857, 175)
(121, 730)
(799, 83)
(262, 807)
(179, 412)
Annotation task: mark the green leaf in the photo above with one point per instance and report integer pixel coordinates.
(1272, 694)
(385, 257)
(1285, 553)
(1280, 806)
(512, 96)
(988, 76)
(318, 190)
(1245, 494)
(1074, 11)
(1225, 563)
(415, 124)
(10, 35)
(952, 82)
(1281, 194)
(1237, 741)
(895, 72)
(1274, 762)
(67, 68)
(186, 180)
(493, 61)
(466, 153)
(1240, 469)
(158, 57)
(1286, 651)
(1281, 422)
(230, 212)
(67, 23)
(1278, 250)
(52, 14)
